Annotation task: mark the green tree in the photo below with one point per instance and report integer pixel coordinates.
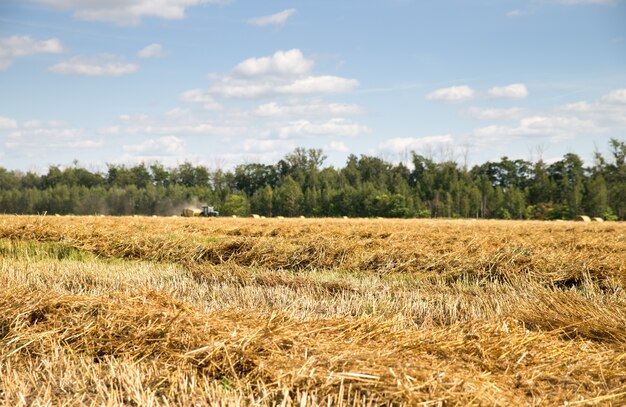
(596, 196)
(262, 201)
(236, 204)
(288, 198)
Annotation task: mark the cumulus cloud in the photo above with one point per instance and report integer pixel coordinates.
(609, 112)
(337, 147)
(318, 84)
(7, 123)
(553, 128)
(332, 127)
(277, 19)
(452, 94)
(518, 13)
(151, 51)
(126, 12)
(177, 113)
(605, 116)
(496, 114)
(283, 73)
(315, 108)
(167, 145)
(100, 65)
(583, 2)
(282, 63)
(20, 46)
(404, 144)
(266, 146)
(538, 4)
(200, 96)
(178, 123)
(617, 96)
(50, 136)
(513, 91)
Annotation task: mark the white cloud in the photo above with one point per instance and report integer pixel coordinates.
(176, 122)
(496, 114)
(205, 128)
(200, 96)
(274, 19)
(607, 113)
(332, 127)
(617, 96)
(319, 84)
(606, 116)
(337, 147)
(265, 146)
(536, 5)
(177, 113)
(127, 12)
(583, 2)
(405, 144)
(50, 136)
(452, 94)
(167, 145)
(283, 73)
(31, 124)
(316, 108)
(282, 63)
(20, 46)
(554, 128)
(100, 65)
(7, 123)
(254, 89)
(151, 51)
(514, 91)
(138, 118)
(518, 13)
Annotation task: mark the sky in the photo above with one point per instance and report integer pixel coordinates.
(227, 82)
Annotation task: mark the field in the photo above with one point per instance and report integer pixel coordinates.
(175, 311)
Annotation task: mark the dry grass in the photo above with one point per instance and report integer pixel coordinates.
(144, 311)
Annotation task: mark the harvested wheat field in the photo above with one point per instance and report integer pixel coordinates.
(307, 312)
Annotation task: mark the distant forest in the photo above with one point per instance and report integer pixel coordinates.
(366, 186)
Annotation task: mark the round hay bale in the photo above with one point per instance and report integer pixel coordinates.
(597, 219)
(255, 216)
(583, 218)
(280, 217)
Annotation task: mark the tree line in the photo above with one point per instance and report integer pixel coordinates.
(367, 186)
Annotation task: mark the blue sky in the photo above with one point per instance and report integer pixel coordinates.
(221, 83)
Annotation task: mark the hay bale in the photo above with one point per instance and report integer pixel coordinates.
(234, 216)
(255, 216)
(280, 217)
(302, 217)
(345, 217)
(583, 218)
(597, 219)
(191, 212)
